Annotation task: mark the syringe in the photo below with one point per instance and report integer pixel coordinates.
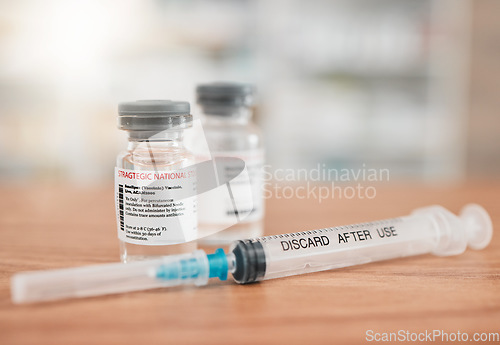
(427, 230)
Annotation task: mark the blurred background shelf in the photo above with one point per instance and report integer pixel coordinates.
(403, 85)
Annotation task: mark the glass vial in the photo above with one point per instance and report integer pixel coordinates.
(226, 118)
(155, 181)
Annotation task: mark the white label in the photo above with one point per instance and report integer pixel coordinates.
(156, 207)
(243, 201)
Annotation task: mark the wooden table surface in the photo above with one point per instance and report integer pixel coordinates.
(46, 227)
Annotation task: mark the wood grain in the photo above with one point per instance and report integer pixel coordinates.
(44, 227)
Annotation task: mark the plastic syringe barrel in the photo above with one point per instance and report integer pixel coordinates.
(427, 230)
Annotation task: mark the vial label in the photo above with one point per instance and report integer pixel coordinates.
(156, 207)
(243, 201)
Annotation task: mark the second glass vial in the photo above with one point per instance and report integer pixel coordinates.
(229, 132)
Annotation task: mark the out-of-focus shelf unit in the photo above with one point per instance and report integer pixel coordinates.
(341, 82)
(381, 83)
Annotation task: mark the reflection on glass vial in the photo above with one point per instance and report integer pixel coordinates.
(155, 181)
